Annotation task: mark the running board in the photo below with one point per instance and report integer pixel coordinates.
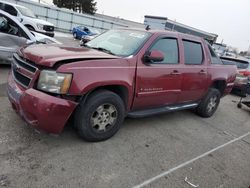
(161, 110)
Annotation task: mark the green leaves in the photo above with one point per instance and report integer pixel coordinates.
(81, 6)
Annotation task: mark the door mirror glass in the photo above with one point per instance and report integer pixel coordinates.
(153, 56)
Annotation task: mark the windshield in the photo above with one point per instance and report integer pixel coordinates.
(26, 12)
(119, 42)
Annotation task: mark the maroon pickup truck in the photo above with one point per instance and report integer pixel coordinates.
(124, 72)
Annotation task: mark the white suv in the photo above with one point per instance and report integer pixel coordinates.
(28, 18)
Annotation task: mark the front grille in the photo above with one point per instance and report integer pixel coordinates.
(23, 71)
(21, 79)
(48, 28)
(24, 64)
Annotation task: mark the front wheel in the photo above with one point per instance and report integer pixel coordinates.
(100, 117)
(75, 35)
(209, 103)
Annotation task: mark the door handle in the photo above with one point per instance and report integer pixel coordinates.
(202, 72)
(175, 72)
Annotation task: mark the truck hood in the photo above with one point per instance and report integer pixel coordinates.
(49, 55)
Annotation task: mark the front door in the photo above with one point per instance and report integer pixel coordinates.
(159, 83)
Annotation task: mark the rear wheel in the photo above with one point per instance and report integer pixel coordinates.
(209, 103)
(100, 117)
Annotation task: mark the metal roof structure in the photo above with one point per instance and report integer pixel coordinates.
(172, 25)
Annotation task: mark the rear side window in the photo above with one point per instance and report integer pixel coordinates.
(10, 9)
(169, 48)
(193, 53)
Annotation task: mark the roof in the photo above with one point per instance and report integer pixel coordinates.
(238, 59)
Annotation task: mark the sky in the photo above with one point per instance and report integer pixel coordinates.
(230, 19)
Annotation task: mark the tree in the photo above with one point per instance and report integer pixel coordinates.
(81, 6)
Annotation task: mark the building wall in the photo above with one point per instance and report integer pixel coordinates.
(155, 23)
(64, 19)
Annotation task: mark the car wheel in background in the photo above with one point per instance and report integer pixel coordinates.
(75, 35)
(30, 28)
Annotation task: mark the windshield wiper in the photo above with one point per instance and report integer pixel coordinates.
(103, 50)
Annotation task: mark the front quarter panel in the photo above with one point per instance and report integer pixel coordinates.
(91, 74)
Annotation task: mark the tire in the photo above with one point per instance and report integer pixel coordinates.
(75, 35)
(100, 117)
(209, 103)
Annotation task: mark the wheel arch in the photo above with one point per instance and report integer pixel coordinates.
(121, 90)
(28, 25)
(220, 85)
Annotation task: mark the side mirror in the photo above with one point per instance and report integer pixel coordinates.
(153, 56)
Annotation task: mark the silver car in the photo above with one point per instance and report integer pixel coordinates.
(13, 34)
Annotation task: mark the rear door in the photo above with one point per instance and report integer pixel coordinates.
(194, 72)
(159, 83)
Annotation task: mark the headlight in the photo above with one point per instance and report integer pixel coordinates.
(40, 26)
(54, 82)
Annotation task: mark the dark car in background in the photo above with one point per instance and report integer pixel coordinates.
(243, 76)
(80, 31)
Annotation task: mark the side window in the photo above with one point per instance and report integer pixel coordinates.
(169, 48)
(214, 58)
(10, 9)
(8, 26)
(193, 53)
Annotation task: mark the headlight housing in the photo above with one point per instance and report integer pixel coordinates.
(40, 26)
(53, 82)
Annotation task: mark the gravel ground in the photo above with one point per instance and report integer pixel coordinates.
(168, 147)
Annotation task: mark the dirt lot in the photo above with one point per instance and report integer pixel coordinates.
(159, 151)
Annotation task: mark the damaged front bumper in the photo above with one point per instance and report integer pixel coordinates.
(40, 110)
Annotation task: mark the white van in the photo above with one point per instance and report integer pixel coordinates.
(28, 18)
